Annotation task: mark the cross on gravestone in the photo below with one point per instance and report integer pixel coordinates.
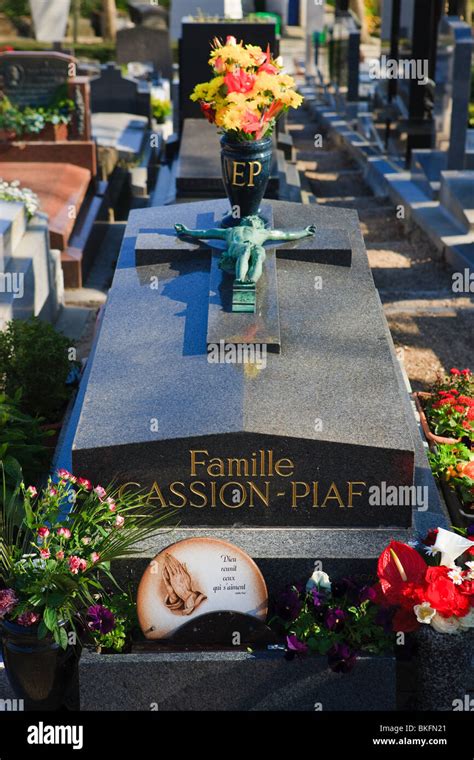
(259, 324)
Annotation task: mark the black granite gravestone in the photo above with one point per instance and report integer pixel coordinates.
(34, 79)
(296, 439)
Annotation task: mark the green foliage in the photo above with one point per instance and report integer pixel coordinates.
(15, 8)
(124, 610)
(22, 443)
(34, 357)
(160, 109)
(31, 120)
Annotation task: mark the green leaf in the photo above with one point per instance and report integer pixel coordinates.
(50, 618)
(42, 630)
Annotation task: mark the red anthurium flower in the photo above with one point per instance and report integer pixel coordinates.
(401, 571)
(239, 81)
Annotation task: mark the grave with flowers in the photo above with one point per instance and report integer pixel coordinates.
(244, 386)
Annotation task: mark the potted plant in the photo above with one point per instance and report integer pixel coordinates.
(335, 619)
(447, 412)
(244, 98)
(453, 466)
(55, 553)
(48, 123)
(430, 587)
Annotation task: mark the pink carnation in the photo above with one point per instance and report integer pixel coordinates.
(85, 483)
(60, 555)
(112, 504)
(45, 553)
(95, 557)
(76, 563)
(43, 532)
(31, 491)
(28, 618)
(8, 601)
(119, 521)
(101, 492)
(64, 532)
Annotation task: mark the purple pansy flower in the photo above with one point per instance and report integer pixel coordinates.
(341, 658)
(295, 645)
(367, 593)
(288, 605)
(335, 619)
(100, 619)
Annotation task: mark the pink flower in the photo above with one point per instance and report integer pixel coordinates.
(31, 491)
(27, 618)
(52, 492)
(8, 601)
(466, 372)
(86, 540)
(64, 532)
(230, 40)
(60, 555)
(64, 474)
(219, 65)
(454, 371)
(252, 123)
(239, 81)
(45, 553)
(112, 504)
(119, 521)
(74, 563)
(43, 532)
(85, 483)
(95, 557)
(101, 492)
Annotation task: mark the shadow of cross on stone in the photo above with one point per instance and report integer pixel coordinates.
(224, 326)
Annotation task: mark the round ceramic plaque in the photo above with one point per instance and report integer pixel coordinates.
(194, 577)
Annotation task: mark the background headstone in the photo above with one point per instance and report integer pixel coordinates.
(146, 45)
(181, 9)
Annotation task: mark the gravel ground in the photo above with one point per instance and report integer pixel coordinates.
(431, 326)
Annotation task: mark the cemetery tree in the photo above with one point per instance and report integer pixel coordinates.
(110, 20)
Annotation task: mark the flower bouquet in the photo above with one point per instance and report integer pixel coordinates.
(56, 549)
(431, 583)
(247, 93)
(339, 620)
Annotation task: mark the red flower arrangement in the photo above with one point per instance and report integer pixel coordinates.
(435, 591)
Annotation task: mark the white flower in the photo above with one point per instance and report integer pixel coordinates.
(445, 625)
(319, 580)
(424, 612)
(456, 576)
(430, 550)
(451, 545)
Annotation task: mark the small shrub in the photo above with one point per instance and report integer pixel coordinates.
(35, 358)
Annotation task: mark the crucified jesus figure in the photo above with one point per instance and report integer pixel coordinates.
(244, 254)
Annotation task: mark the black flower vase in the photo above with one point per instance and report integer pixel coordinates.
(40, 672)
(245, 172)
